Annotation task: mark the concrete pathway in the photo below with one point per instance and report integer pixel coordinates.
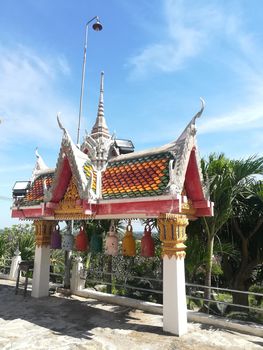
(57, 322)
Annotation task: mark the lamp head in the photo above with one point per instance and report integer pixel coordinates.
(97, 26)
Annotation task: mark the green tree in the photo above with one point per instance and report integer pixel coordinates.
(3, 246)
(196, 254)
(227, 180)
(247, 229)
(20, 236)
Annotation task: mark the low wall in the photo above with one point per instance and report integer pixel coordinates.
(192, 316)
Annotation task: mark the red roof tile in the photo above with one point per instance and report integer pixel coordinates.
(35, 194)
(137, 177)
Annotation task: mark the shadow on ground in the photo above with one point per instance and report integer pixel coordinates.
(68, 316)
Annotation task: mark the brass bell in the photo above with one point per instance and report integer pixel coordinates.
(128, 242)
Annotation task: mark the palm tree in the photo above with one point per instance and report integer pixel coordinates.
(227, 180)
(247, 226)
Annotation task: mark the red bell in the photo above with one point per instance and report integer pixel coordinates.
(147, 243)
(81, 242)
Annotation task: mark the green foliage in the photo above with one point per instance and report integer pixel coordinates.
(197, 257)
(256, 300)
(3, 247)
(229, 181)
(19, 236)
(26, 244)
(57, 260)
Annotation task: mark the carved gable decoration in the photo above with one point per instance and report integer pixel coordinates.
(70, 206)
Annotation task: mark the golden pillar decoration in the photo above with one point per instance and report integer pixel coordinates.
(43, 229)
(173, 234)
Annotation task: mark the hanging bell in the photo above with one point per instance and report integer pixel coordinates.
(96, 243)
(111, 244)
(81, 242)
(128, 242)
(67, 241)
(55, 241)
(147, 243)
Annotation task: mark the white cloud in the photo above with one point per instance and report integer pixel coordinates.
(189, 26)
(29, 95)
(244, 118)
(193, 28)
(64, 66)
(247, 114)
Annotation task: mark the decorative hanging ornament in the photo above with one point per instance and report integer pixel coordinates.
(111, 244)
(147, 243)
(55, 242)
(128, 242)
(67, 241)
(81, 242)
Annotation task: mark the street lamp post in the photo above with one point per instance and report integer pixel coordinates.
(97, 26)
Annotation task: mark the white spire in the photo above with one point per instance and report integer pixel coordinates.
(100, 127)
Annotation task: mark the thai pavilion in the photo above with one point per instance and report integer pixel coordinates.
(104, 178)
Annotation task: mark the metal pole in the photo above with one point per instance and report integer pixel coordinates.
(82, 80)
(83, 73)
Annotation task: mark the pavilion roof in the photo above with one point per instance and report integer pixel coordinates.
(104, 181)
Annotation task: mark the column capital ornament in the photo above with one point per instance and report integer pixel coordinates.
(173, 234)
(43, 229)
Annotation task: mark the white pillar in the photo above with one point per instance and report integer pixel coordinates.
(174, 296)
(14, 265)
(40, 284)
(172, 234)
(76, 282)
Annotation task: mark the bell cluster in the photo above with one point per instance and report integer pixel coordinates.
(93, 242)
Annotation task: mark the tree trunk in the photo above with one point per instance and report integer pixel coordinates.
(240, 298)
(209, 264)
(241, 276)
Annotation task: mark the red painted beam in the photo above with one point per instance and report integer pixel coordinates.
(150, 209)
(205, 211)
(120, 209)
(202, 204)
(27, 213)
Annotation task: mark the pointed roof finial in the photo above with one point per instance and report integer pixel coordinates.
(198, 114)
(60, 124)
(100, 127)
(101, 86)
(101, 100)
(40, 164)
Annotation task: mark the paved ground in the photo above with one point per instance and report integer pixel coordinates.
(58, 322)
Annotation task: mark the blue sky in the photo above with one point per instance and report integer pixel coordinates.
(159, 57)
